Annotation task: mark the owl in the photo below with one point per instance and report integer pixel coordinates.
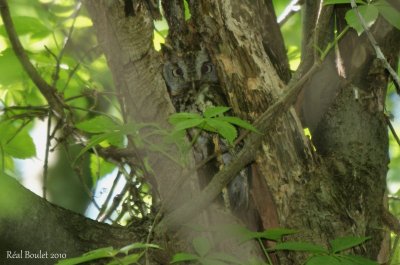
(193, 86)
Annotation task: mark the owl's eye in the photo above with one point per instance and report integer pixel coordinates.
(177, 72)
(206, 68)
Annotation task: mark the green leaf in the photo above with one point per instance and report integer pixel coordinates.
(300, 246)
(239, 122)
(181, 257)
(201, 245)
(137, 245)
(16, 142)
(27, 25)
(99, 167)
(276, 234)
(95, 140)
(107, 252)
(324, 260)
(337, 2)
(368, 12)
(388, 12)
(187, 124)
(215, 111)
(225, 129)
(340, 244)
(98, 124)
(357, 260)
(179, 117)
(130, 259)
(10, 68)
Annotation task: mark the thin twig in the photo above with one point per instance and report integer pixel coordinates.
(65, 42)
(109, 195)
(292, 8)
(378, 51)
(46, 157)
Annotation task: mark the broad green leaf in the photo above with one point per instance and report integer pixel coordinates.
(201, 245)
(239, 122)
(225, 129)
(357, 260)
(340, 244)
(325, 260)
(276, 234)
(15, 142)
(179, 117)
(99, 167)
(181, 257)
(10, 68)
(21, 146)
(214, 111)
(98, 124)
(388, 12)
(187, 124)
(95, 140)
(92, 255)
(336, 2)
(300, 246)
(137, 245)
(27, 25)
(368, 12)
(130, 259)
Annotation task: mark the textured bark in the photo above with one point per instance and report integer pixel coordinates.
(29, 223)
(340, 193)
(127, 42)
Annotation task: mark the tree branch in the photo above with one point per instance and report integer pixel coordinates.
(378, 51)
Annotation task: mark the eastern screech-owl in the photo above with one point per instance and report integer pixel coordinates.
(193, 86)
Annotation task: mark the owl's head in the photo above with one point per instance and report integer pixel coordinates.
(185, 72)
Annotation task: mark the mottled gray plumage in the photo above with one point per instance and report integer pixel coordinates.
(193, 85)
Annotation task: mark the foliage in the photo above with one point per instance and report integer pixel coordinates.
(204, 255)
(119, 256)
(212, 120)
(369, 11)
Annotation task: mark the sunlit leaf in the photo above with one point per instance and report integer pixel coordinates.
(16, 142)
(99, 167)
(27, 25)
